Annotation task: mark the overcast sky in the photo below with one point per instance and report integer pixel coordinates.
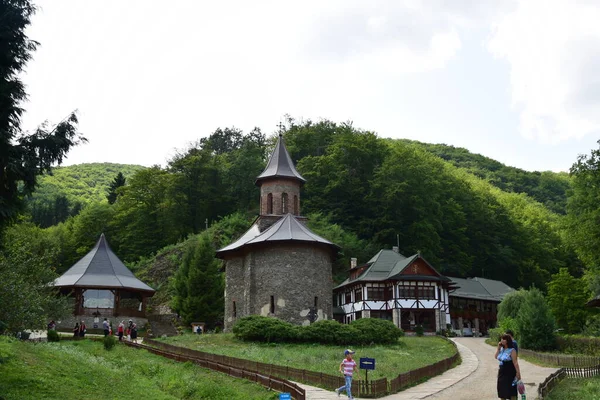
(515, 81)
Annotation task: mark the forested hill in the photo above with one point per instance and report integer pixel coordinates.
(548, 188)
(362, 191)
(68, 189)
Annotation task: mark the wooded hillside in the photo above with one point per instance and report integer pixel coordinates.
(441, 201)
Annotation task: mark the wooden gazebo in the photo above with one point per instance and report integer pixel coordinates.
(102, 286)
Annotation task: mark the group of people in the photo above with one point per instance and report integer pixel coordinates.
(130, 332)
(509, 373)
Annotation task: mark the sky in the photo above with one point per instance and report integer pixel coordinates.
(516, 81)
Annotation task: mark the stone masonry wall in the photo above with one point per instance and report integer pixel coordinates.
(293, 273)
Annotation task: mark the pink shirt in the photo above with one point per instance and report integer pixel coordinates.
(348, 366)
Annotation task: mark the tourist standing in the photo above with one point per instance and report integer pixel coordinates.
(512, 336)
(106, 327)
(82, 329)
(509, 371)
(347, 368)
(121, 330)
(133, 332)
(76, 330)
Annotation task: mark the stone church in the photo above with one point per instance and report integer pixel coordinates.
(279, 267)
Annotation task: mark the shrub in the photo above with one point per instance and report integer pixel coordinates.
(328, 332)
(592, 326)
(576, 344)
(264, 329)
(495, 335)
(109, 342)
(374, 330)
(419, 330)
(53, 336)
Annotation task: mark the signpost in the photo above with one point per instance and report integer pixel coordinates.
(367, 364)
(285, 396)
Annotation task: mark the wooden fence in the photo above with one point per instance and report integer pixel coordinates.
(270, 382)
(561, 360)
(546, 387)
(372, 388)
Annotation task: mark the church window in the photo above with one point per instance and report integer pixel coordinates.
(94, 298)
(272, 307)
(284, 203)
(348, 298)
(270, 203)
(406, 292)
(375, 291)
(426, 292)
(234, 310)
(296, 211)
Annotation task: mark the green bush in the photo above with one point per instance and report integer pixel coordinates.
(419, 330)
(362, 331)
(378, 331)
(495, 334)
(109, 342)
(53, 336)
(264, 329)
(328, 332)
(577, 344)
(592, 326)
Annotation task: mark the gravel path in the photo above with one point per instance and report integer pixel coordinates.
(481, 384)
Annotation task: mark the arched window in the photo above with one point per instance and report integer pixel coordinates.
(284, 203)
(270, 203)
(296, 212)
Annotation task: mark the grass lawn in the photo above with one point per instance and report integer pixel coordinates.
(576, 389)
(410, 353)
(85, 370)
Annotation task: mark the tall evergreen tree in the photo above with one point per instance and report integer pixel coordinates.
(567, 296)
(112, 189)
(23, 156)
(199, 284)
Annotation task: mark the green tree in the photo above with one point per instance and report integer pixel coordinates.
(23, 156)
(199, 284)
(567, 297)
(112, 194)
(511, 304)
(535, 322)
(27, 263)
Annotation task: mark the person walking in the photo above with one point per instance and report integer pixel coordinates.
(509, 372)
(76, 330)
(347, 368)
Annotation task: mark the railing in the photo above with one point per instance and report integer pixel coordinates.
(375, 388)
(561, 360)
(546, 387)
(268, 381)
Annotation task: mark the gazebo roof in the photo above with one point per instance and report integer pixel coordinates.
(101, 269)
(280, 165)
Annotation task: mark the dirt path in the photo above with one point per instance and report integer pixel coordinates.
(481, 384)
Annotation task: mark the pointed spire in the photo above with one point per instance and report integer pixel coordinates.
(280, 164)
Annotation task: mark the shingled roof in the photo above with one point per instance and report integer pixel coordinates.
(280, 165)
(480, 289)
(288, 228)
(101, 269)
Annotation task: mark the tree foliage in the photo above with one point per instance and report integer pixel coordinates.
(199, 284)
(567, 297)
(23, 156)
(112, 194)
(536, 323)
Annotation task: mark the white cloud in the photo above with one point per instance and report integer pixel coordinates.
(553, 49)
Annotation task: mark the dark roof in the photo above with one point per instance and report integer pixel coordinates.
(481, 289)
(388, 264)
(288, 228)
(280, 164)
(595, 302)
(101, 268)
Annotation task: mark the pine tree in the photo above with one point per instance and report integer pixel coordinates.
(112, 189)
(199, 285)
